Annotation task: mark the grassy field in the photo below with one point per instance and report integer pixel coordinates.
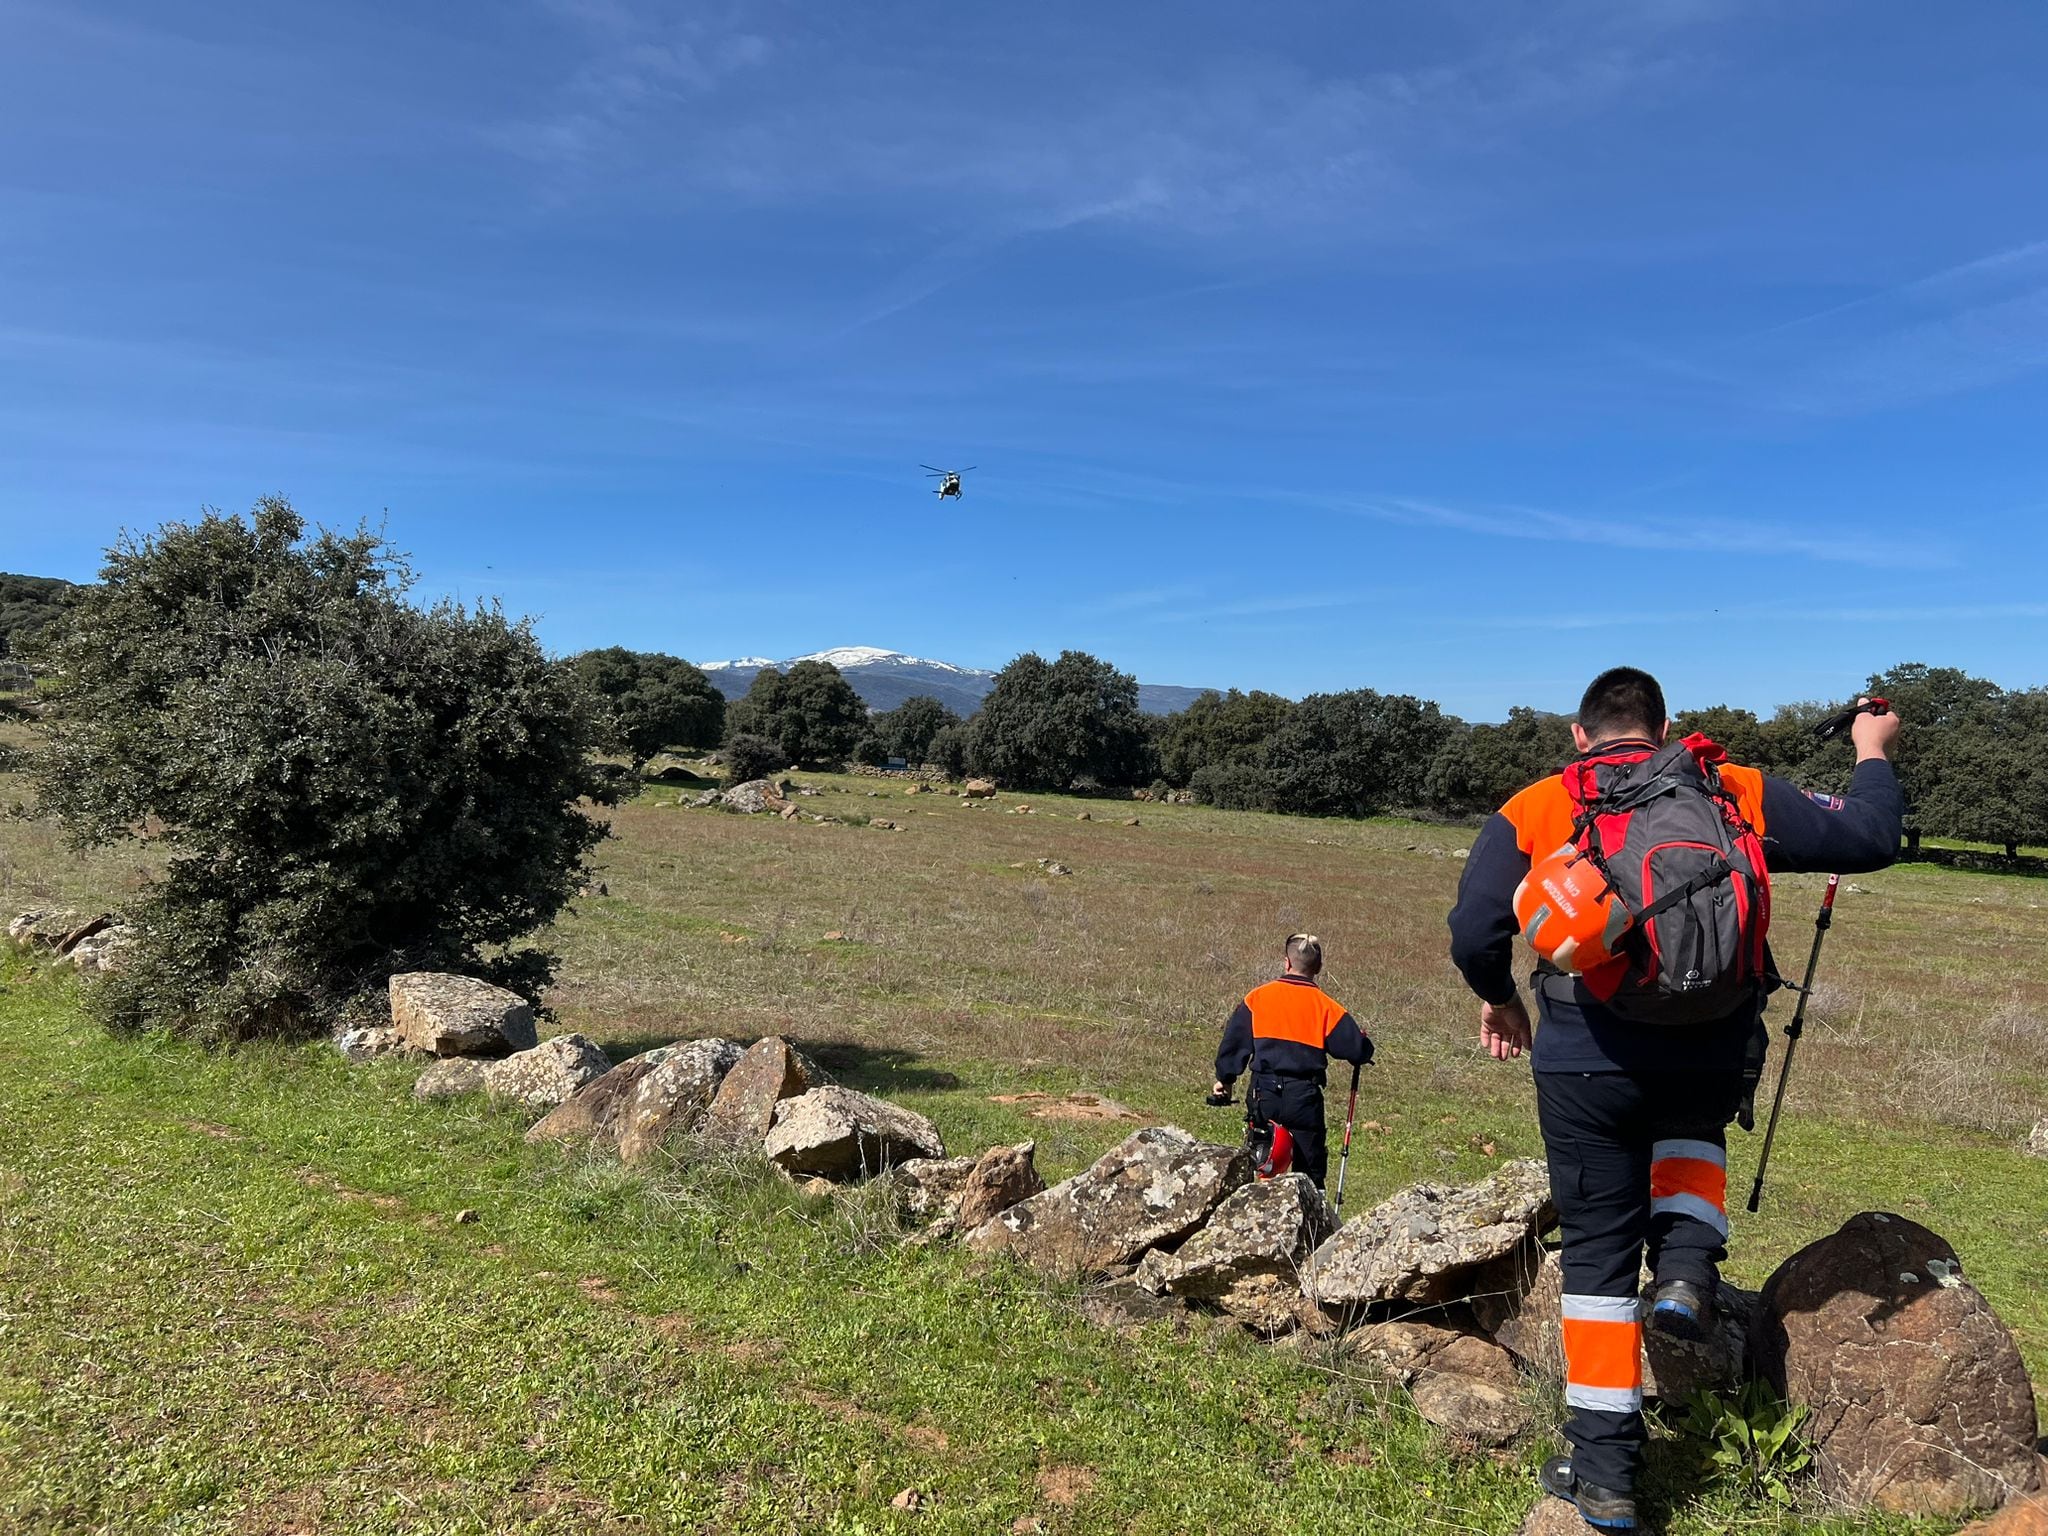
(239, 1299)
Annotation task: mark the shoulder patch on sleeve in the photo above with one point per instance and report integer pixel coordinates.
(1825, 801)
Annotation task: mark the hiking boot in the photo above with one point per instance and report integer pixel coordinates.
(1679, 1309)
(1602, 1508)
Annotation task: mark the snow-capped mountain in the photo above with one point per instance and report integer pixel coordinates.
(885, 679)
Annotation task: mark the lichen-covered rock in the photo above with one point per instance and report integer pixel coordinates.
(1001, 1177)
(743, 1109)
(754, 797)
(929, 1188)
(1518, 1300)
(1424, 1243)
(545, 1076)
(1247, 1258)
(1123, 1306)
(1674, 1369)
(449, 1015)
(449, 1077)
(603, 1108)
(1919, 1401)
(672, 1097)
(57, 930)
(1151, 1191)
(837, 1133)
(1470, 1389)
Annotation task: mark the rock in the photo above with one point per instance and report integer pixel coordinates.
(547, 1075)
(367, 1042)
(1132, 821)
(754, 797)
(2037, 1139)
(1920, 1404)
(1475, 1404)
(449, 1015)
(105, 952)
(467, 1217)
(881, 825)
(1402, 1348)
(2025, 1515)
(1151, 1191)
(743, 1110)
(1122, 1306)
(1084, 815)
(1247, 1259)
(930, 1187)
(450, 1077)
(1424, 1243)
(1153, 1271)
(1553, 1517)
(673, 1096)
(1001, 1177)
(841, 1134)
(1054, 867)
(1674, 1369)
(978, 789)
(604, 1109)
(58, 930)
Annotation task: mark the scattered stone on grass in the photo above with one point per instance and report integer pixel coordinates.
(1920, 1404)
(1423, 1244)
(929, 1188)
(449, 1015)
(450, 1077)
(547, 1075)
(591, 1113)
(978, 789)
(743, 1109)
(2037, 1139)
(840, 1134)
(366, 1042)
(1153, 1190)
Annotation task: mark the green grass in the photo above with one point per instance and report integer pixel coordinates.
(234, 1297)
(238, 1299)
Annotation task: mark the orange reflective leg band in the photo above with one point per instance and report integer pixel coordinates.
(1690, 1178)
(1603, 1353)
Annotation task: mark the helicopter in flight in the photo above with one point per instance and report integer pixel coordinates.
(949, 480)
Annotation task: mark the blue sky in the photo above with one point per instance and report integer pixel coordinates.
(1459, 348)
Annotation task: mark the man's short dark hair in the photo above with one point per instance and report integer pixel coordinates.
(1622, 701)
(1305, 953)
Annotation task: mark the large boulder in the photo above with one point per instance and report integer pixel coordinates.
(1247, 1259)
(104, 951)
(1151, 1191)
(1919, 1402)
(2026, 1515)
(836, 1133)
(1424, 1244)
(1001, 1177)
(744, 1108)
(672, 1097)
(600, 1110)
(448, 1015)
(754, 797)
(1674, 1369)
(545, 1076)
(57, 930)
(978, 789)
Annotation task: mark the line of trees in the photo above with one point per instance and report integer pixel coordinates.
(1974, 763)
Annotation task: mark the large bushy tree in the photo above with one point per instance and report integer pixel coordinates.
(1354, 753)
(1219, 729)
(347, 785)
(909, 730)
(1477, 768)
(647, 701)
(1051, 725)
(811, 712)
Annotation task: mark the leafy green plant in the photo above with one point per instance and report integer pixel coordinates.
(1750, 1440)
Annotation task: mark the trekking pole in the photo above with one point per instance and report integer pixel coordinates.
(1793, 1030)
(1350, 1114)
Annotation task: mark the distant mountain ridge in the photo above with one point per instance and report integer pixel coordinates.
(884, 679)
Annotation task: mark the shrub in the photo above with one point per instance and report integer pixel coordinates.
(349, 785)
(1233, 787)
(751, 757)
(1045, 725)
(871, 750)
(948, 751)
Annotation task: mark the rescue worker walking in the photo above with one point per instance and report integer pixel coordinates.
(1285, 1032)
(1634, 1112)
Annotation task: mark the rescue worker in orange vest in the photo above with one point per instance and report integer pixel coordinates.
(1634, 1114)
(1285, 1032)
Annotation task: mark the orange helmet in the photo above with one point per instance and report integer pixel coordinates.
(1568, 912)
